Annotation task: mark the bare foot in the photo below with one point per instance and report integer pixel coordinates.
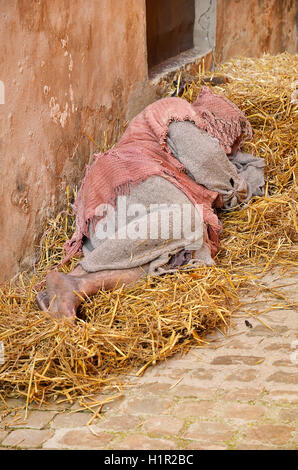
(42, 297)
(63, 302)
(61, 299)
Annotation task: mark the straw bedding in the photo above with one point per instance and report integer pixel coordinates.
(127, 330)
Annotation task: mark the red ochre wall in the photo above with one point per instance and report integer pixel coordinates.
(68, 67)
(252, 27)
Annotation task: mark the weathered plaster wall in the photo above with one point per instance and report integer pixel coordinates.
(205, 25)
(68, 67)
(255, 26)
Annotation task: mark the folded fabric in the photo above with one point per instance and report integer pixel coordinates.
(143, 152)
(207, 164)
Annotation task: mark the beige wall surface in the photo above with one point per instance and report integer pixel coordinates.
(68, 67)
(253, 27)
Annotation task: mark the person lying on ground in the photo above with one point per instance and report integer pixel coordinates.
(148, 205)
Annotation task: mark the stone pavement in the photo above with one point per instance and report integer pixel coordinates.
(237, 392)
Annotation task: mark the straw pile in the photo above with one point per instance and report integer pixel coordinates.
(130, 329)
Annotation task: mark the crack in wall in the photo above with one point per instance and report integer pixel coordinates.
(204, 18)
(205, 24)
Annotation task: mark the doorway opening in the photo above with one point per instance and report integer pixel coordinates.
(170, 27)
(179, 32)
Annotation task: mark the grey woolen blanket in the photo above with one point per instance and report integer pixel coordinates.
(237, 179)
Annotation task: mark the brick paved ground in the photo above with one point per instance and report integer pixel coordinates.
(239, 392)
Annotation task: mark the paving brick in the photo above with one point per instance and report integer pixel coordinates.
(283, 377)
(147, 405)
(284, 363)
(208, 431)
(189, 391)
(10, 418)
(204, 446)
(203, 374)
(109, 406)
(173, 375)
(243, 376)
(255, 447)
(243, 394)
(118, 423)
(243, 412)
(194, 445)
(15, 403)
(27, 438)
(237, 344)
(71, 420)
(78, 439)
(281, 347)
(51, 405)
(261, 330)
(140, 442)
(194, 409)
(288, 396)
(273, 433)
(288, 414)
(236, 359)
(36, 419)
(154, 387)
(3, 434)
(166, 425)
(214, 447)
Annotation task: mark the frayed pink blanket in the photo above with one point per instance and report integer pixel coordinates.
(142, 152)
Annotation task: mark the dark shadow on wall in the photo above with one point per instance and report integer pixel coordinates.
(170, 25)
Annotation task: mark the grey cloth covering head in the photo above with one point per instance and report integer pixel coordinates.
(237, 179)
(251, 169)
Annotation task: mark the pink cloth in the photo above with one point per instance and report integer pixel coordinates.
(142, 152)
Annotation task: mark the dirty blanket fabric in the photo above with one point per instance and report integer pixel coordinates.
(213, 168)
(140, 238)
(143, 152)
(237, 177)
